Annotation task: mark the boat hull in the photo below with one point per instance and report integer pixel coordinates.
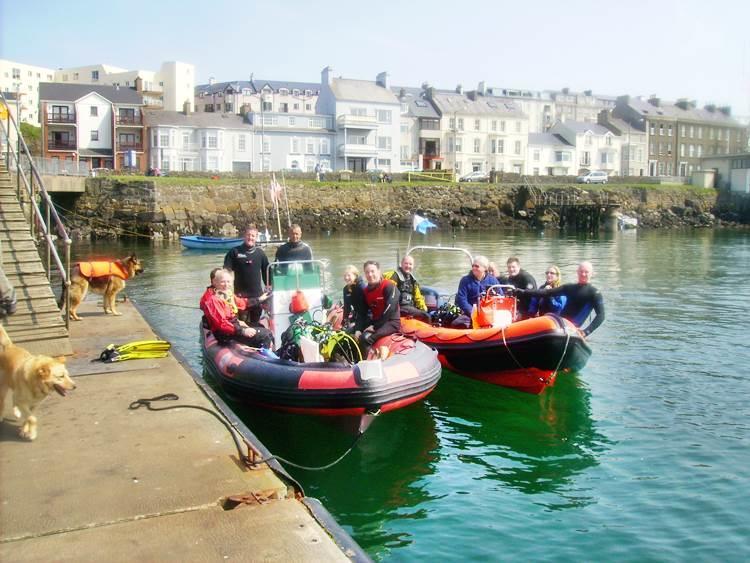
(527, 355)
(324, 389)
(195, 242)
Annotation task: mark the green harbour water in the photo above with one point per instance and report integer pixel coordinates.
(642, 456)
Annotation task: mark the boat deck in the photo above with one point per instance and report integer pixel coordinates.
(103, 482)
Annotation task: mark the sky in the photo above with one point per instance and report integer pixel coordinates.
(672, 48)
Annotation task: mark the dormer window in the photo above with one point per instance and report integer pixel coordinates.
(283, 91)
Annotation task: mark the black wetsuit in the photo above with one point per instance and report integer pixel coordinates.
(250, 267)
(582, 298)
(291, 252)
(522, 280)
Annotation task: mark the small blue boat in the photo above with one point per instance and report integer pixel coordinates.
(218, 243)
(209, 243)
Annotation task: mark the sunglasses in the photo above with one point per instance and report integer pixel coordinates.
(554, 273)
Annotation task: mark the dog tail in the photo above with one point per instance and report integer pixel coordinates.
(4, 338)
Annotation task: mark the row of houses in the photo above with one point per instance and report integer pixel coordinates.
(360, 125)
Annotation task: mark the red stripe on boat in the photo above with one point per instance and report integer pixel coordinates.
(328, 379)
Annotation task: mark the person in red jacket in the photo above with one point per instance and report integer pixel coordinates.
(377, 307)
(220, 310)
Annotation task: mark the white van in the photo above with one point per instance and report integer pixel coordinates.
(593, 177)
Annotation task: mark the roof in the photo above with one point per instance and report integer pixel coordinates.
(669, 110)
(55, 91)
(256, 86)
(583, 126)
(154, 117)
(361, 91)
(547, 139)
(619, 126)
(95, 152)
(449, 102)
(419, 106)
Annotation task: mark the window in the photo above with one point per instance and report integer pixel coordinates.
(94, 135)
(682, 130)
(228, 107)
(213, 163)
(296, 107)
(295, 145)
(75, 76)
(266, 106)
(361, 112)
(452, 123)
(325, 146)
(669, 149)
(317, 122)
(692, 131)
(459, 144)
(266, 149)
(284, 108)
(186, 140)
(536, 158)
(605, 158)
(292, 121)
(310, 146)
(661, 129)
(283, 92)
(586, 158)
(94, 111)
(669, 130)
(477, 145)
(384, 162)
(384, 115)
(494, 124)
(270, 120)
(477, 125)
(209, 108)
(500, 146)
(308, 107)
(502, 125)
(682, 149)
(587, 140)
(608, 140)
(450, 144)
(517, 147)
(404, 152)
(241, 143)
(94, 75)
(404, 128)
(164, 140)
(17, 74)
(652, 129)
(460, 123)
(562, 156)
(691, 150)
(384, 143)
(518, 126)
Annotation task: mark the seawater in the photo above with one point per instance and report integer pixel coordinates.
(642, 456)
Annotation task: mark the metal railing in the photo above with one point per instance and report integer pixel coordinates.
(61, 118)
(29, 182)
(57, 167)
(129, 120)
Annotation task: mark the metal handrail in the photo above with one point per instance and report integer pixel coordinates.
(36, 219)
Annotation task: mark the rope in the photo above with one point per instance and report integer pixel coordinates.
(138, 403)
(164, 303)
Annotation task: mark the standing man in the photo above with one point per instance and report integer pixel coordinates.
(412, 302)
(519, 279)
(377, 308)
(582, 299)
(294, 249)
(250, 266)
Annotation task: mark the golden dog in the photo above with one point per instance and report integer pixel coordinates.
(31, 378)
(105, 278)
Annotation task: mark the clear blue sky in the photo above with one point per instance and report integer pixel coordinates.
(703, 47)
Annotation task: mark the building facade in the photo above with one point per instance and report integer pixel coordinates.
(256, 96)
(550, 155)
(634, 142)
(99, 125)
(23, 80)
(579, 106)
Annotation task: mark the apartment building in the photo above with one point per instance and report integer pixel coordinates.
(248, 96)
(634, 142)
(679, 134)
(22, 79)
(99, 125)
(202, 142)
(480, 132)
(367, 122)
(596, 147)
(168, 88)
(579, 106)
(420, 131)
(538, 106)
(550, 154)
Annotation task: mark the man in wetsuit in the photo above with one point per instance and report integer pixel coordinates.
(294, 249)
(412, 302)
(377, 308)
(250, 266)
(519, 279)
(582, 299)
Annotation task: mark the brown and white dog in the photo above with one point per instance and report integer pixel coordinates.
(31, 378)
(105, 278)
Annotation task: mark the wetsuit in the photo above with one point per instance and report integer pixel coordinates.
(412, 302)
(582, 299)
(349, 294)
(522, 280)
(544, 305)
(221, 318)
(250, 267)
(291, 252)
(380, 302)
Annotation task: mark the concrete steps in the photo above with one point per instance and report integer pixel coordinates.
(37, 325)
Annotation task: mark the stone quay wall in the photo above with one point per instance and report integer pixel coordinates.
(110, 207)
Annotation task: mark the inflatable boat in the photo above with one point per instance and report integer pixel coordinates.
(522, 354)
(358, 387)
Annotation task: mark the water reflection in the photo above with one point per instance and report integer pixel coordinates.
(531, 443)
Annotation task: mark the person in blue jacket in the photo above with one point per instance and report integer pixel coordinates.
(470, 289)
(554, 304)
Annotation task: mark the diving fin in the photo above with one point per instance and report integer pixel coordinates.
(140, 349)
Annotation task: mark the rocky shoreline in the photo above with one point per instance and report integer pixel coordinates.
(112, 208)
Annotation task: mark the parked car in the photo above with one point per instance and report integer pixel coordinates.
(593, 177)
(476, 176)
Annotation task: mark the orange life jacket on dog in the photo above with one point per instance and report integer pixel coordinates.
(102, 269)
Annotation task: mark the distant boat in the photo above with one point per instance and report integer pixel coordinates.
(218, 243)
(627, 222)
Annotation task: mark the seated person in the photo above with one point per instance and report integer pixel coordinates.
(353, 284)
(582, 299)
(520, 279)
(412, 302)
(470, 289)
(376, 308)
(220, 311)
(543, 305)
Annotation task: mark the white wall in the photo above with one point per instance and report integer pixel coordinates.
(102, 122)
(26, 82)
(179, 85)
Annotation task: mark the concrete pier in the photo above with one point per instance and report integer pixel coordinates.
(106, 483)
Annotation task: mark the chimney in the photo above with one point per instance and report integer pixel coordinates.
(459, 89)
(710, 108)
(210, 80)
(654, 101)
(683, 103)
(482, 88)
(566, 90)
(588, 93)
(472, 95)
(326, 75)
(401, 94)
(382, 80)
(429, 92)
(186, 107)
(726, 110)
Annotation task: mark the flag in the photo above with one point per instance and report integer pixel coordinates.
(422, 224)
(275, 189)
